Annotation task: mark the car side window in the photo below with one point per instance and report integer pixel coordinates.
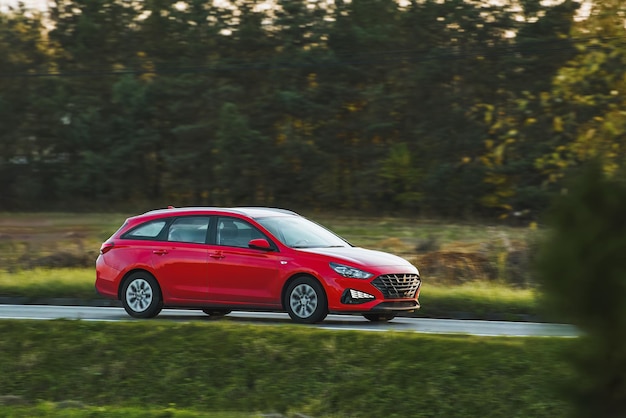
(189, 229)
(235, 232)
(149, 230)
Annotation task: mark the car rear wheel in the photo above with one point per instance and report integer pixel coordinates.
(306, 301)
(215, 313)
(378, 317)
(141, 295)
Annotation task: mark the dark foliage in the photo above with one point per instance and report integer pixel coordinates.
(430, 108)
(583, 272)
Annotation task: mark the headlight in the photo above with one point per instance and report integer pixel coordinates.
(351, 272)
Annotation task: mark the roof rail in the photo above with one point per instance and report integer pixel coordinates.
(280, 210)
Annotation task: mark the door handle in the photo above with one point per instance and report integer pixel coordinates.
(159, 252)
(217, 255)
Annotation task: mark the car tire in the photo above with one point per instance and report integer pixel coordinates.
(216, 313)
(305, 301)
(141, 295)
(379, 317)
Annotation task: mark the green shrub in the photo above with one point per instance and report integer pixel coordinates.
(583, 272)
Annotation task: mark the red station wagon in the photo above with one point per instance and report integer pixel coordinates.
(219, 260)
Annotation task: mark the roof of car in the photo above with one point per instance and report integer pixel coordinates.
(252, 212)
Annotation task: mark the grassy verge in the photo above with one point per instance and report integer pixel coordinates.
(74, 409)
(44, 228)
(49, 283)
(30, 239)
(470, 300)
(479, 300)
(215, 366)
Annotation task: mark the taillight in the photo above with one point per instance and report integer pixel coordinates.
(106, 247)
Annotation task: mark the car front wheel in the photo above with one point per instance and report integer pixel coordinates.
(141, 296)
(306, 301)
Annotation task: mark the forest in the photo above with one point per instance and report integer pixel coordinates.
(443, 108)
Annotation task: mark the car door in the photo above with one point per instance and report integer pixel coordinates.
(181, 262)
(241, 275)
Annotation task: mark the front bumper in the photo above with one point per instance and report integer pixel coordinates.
(400, 306)
(385, 293)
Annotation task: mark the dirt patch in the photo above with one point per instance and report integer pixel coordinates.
(510, 264)
(452, 267)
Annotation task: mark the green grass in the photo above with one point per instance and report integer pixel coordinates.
(216, 366)
(49, 283)
(479, 300)
(77, 410)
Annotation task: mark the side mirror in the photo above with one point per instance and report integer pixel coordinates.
(260, 244)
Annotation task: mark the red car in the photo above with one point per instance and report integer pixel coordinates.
(219, 260)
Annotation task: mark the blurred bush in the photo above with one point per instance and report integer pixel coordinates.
(582, 268)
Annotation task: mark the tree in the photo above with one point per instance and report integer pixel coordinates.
(582, 270)
(518, 130)
(589, 97)
(30, 116)
(451, 108)
(239, 157)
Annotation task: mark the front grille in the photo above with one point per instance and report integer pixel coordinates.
(398, 286)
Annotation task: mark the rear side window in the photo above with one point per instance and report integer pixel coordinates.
(149, 230)
(189, 229)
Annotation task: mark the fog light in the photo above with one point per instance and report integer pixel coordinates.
(352, 296)
(357, 294)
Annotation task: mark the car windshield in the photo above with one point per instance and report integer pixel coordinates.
(297, 232)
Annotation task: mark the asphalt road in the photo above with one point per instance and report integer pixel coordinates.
(333, 322)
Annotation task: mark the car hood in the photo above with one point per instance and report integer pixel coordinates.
(360, 256)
